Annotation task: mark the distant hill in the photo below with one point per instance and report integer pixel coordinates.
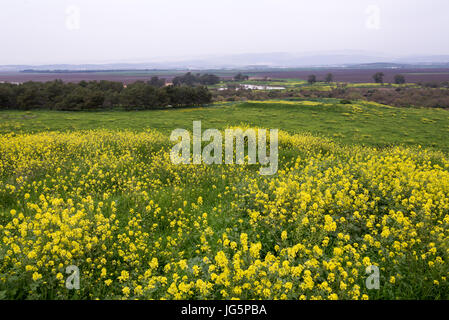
(343, 59)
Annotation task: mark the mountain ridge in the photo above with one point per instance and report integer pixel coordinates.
(344, 59)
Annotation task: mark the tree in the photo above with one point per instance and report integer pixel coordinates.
(190, 79)
(329, 78)
(7, 98)
(31, 96)
(312, 79)
(143, 96)
(379, 77)
(95, 95)
(94, 99)
(187, 79)
(240, 77)
(156, 82)
(75, 100)
(399, 79)
(208, 79)
(105, 85)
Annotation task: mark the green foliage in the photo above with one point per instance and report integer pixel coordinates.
(379, 77)
(311, 79)
(399, 79)
(93, 95)
(361, 122)
(190, 79)
(240, 77)
(156, 82)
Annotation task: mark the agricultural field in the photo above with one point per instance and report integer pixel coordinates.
(363, 75)
(349, 75)
(359, 186)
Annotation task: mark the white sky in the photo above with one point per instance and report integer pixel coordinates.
(48, 31)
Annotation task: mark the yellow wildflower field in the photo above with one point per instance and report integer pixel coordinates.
(112, 204)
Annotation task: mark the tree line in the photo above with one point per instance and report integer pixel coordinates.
(378, 77)
(190, 79)
(92, 95)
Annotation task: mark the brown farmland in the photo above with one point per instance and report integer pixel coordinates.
(364, 75)
(340, 75)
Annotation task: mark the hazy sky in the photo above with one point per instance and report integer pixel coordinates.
(95, 31)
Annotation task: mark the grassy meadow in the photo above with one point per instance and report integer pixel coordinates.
(359, 185)
(365, 123)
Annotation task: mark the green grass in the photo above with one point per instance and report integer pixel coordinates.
(303, 84)
(190, 211)
(361, 123)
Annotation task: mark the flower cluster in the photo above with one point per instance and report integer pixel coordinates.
(137, 226)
